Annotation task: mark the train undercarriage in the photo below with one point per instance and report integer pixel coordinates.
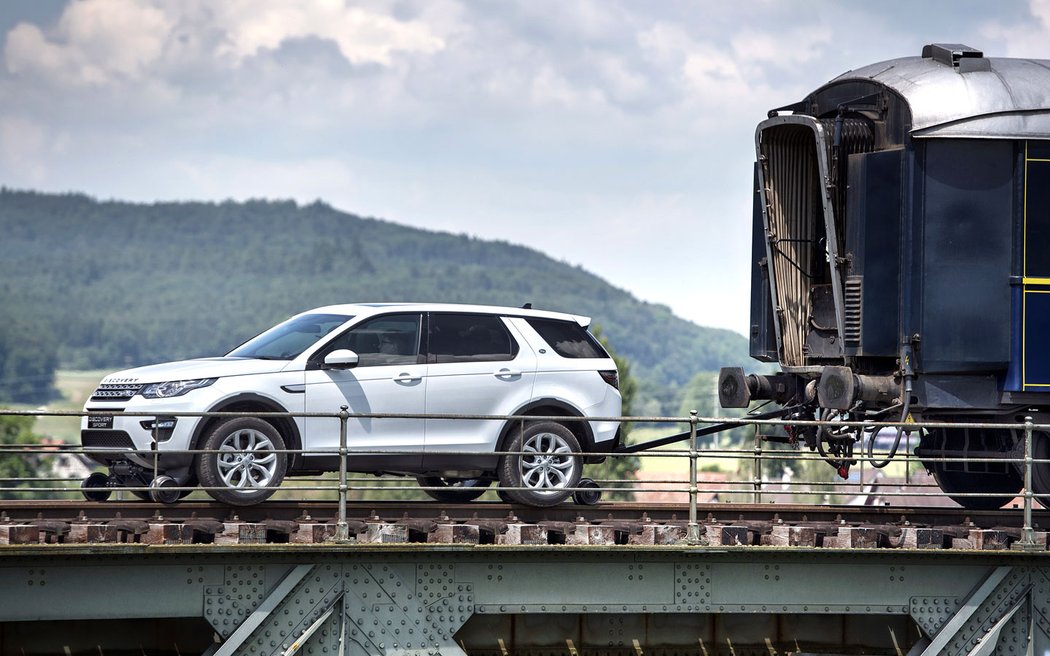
(977, 458)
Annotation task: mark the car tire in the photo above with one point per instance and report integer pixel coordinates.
(544, 461)
(247, 464)
(453, 490)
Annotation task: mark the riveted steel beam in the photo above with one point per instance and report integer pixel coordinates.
(392, 599)
(278, 596)
(1006, 613)
(382, 608)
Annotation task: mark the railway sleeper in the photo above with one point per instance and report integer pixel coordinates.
(805, 534)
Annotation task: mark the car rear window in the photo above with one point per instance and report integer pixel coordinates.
(469, 338)
(568, 339)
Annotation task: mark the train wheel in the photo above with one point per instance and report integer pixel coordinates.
(1001, 482)
(954, 483)
(453, 490)
(1040, 470)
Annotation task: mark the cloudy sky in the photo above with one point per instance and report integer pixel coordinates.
(611, 134)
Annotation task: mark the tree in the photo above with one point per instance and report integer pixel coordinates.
(28, 356)
(701, 394)
(617, 469)
(17, 468)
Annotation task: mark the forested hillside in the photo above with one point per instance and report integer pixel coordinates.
(113, 284)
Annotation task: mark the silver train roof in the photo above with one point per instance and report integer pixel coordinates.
(953, 91)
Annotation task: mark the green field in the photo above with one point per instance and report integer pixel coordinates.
(75, 387)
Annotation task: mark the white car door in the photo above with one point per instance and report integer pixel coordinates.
(389, 378)
(478, 364)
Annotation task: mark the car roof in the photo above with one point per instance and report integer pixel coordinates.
(366, 309)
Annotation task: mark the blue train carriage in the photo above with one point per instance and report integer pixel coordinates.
(901, 263)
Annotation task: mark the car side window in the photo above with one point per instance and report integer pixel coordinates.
(469, 338)
(386, 340)
(568, 339)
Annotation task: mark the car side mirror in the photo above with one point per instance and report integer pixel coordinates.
(341, 359)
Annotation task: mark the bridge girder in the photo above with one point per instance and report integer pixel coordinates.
(392, 599)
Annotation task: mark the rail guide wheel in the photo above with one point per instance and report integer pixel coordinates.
(97, 487)
(589, 496)
(160, 492)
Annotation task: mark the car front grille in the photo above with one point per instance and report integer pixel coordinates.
(115, 392)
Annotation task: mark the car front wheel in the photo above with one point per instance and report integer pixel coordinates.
(544, 461)
(245, 464)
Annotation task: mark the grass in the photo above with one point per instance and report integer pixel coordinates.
(74, 387)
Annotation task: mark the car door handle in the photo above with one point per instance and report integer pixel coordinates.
(507, 373)
(406, 378)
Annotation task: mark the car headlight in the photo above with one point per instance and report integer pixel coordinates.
(174, 388)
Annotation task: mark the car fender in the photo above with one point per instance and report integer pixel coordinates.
(291, 427)
(584, 432)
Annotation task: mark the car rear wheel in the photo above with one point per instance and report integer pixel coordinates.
(453, 490)
(545, 462)
(247, 464)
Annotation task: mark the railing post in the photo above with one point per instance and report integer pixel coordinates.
(342, 529)
(693, 535)
(756, 468)
(1027, 533)
(907, 457)
(155, 448)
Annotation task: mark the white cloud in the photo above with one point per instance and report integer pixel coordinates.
(1027, 38)
(363, 36)
(25, 150)
(549, 87)
(785, 49)
(107, 42)
(95, 42)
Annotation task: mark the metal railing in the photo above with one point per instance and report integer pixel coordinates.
(753, 486)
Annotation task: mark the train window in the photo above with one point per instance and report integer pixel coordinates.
(1037, 210)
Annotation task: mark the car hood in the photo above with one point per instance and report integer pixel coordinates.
(193, 369)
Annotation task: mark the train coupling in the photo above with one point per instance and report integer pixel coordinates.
(837, 388)
(840, 389)
(737, 389)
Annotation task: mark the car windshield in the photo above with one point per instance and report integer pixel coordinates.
(287, 340)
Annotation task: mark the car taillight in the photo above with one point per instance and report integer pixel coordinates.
(611, 377)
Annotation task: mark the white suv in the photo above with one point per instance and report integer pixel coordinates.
(375, 359)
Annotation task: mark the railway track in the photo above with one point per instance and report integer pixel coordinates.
(311, 522)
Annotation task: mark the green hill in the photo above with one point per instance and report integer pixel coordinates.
(120, 284)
